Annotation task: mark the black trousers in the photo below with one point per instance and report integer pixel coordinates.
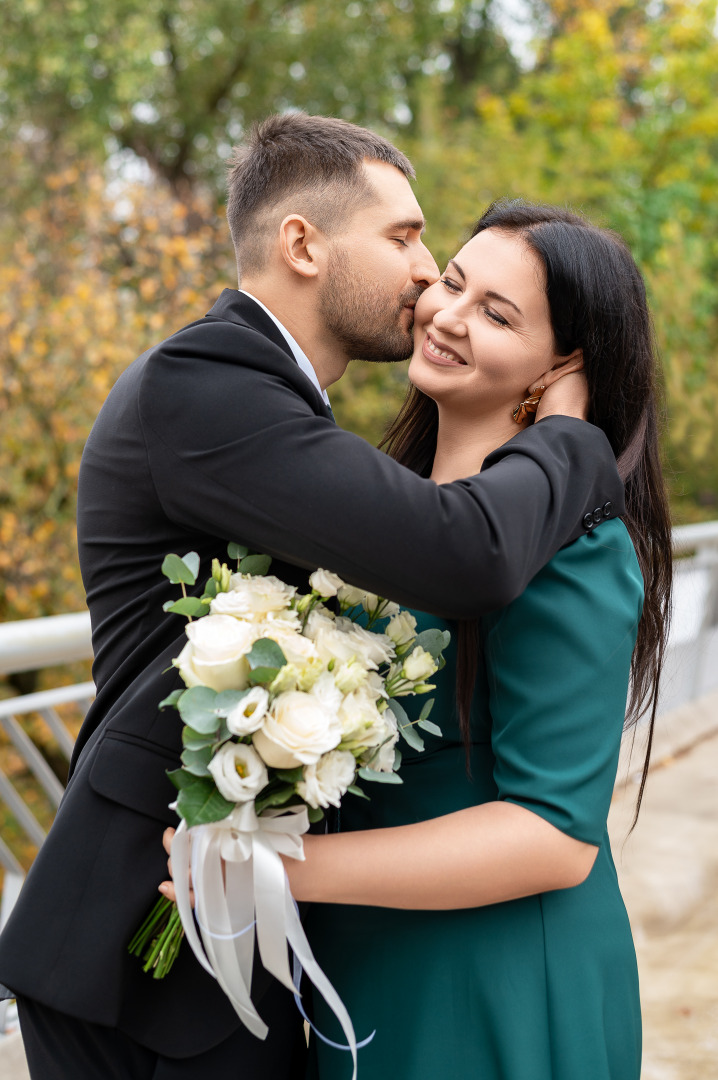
(59, 1047)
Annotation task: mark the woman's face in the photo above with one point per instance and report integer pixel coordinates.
(482, 333)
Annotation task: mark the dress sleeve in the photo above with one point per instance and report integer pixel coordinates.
(558, 661)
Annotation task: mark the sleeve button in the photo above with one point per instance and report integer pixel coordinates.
(607, 509)
(597, 515)
(588, 521)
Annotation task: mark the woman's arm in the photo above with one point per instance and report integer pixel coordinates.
(482, 855)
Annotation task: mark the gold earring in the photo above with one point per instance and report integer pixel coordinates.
(529, 406)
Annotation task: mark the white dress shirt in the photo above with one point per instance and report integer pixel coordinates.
(300, 356)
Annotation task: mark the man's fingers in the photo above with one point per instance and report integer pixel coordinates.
(167, 888)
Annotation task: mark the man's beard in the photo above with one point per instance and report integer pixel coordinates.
(362, 318)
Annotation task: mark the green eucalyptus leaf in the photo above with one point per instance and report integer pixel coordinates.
(358, 791)
(433, 641)
(211, 589)
(187, 605)
(290, 776)
(198, 710)
(181, 778)
(196, 740)
(237, 551)
(407, 730)
(275, 798)
(380, 777)
(228, 700)
(426, 709)
(196, 761)
(314, 815)
(171, 699)
(178, 571)
(430, 726)
(397, 759)
(255, 564)
(265, 658)
(191, 561)
(200, 803)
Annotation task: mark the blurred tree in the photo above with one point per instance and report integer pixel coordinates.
(177, 83)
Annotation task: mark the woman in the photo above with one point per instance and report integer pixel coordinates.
(473, 917)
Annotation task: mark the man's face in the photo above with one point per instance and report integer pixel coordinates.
(378, 267)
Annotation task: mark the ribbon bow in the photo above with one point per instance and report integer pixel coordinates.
(239, 882)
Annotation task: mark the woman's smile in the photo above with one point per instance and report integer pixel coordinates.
(439, 353)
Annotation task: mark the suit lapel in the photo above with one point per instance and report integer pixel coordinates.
(237, 307)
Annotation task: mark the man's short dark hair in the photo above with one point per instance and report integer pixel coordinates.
(296, 163)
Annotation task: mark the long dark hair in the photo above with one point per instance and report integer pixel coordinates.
(597, 301)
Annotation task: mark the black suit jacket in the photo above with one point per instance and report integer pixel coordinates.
(217, 435)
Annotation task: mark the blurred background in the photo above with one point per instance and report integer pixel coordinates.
(117, 117)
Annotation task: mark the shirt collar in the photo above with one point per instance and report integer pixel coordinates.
(303, 361)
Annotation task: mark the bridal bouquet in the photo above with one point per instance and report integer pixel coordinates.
(287, 706)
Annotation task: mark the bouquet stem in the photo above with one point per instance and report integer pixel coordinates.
(158, 940)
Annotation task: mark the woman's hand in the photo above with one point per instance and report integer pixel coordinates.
(567, 396)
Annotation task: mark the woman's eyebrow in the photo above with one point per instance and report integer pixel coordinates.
(490, 293)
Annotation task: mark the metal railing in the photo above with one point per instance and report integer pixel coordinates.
(691, 670)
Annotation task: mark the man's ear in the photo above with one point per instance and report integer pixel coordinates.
(564, 365)
(302, 245)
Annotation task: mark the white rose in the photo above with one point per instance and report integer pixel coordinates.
(419, 665)
(215, 654)
(238, 772)
(325, 583)
(401, 628)
(325, 783)
(350, 595)
(362, 723)
(247, 716)
(298, 729)
(253, 598)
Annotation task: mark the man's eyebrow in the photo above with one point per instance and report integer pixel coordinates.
(418, 224)
(490, 293)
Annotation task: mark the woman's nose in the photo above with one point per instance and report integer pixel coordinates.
(450, 321)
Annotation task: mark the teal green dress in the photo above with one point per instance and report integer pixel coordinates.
(541, 988)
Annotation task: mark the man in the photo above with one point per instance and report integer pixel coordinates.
(221, 433)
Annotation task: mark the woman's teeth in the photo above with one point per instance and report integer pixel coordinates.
(440, 352)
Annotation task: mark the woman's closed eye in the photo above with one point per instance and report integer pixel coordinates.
(452, 286)
(495, 317)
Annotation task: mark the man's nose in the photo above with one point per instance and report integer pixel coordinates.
(424, 269)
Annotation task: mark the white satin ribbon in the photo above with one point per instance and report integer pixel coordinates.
(238, 878)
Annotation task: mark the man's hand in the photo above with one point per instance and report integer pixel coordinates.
(568, 396)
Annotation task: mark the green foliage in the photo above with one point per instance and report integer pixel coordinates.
(617, 117)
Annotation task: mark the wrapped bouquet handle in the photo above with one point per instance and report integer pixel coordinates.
(250, 890)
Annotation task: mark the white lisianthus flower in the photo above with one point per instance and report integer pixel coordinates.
(383, 761)
(401, 629)
(247, 716)
(341, 639)
(297, 676)
(419, 665)
(350, 676)
(239, 772)
(325, 783)
(296, 648)
(215, 654)
(362, 723)
(377, 648)
(253, 598)
(370, 601)
(389, 609)
(297, 730)
(350, 595)
(325, 583)
(326, 689)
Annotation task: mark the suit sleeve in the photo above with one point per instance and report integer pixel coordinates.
(239, 450)
(558, 662)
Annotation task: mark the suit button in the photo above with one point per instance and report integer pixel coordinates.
(597, 515)
(588, 521)
(607, 508)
